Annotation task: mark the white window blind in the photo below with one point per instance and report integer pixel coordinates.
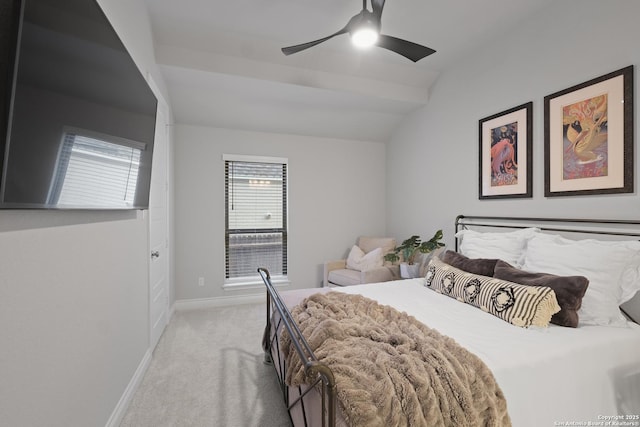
(94, 171)
(256, 218)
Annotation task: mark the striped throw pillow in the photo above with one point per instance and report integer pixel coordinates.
(519, 305)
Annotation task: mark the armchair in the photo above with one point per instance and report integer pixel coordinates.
(336, 272)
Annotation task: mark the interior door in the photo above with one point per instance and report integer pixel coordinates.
(158, 234)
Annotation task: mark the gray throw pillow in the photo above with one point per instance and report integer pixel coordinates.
(481, 266)
(569, 290)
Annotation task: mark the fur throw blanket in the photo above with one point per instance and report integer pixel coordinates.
(392, 370)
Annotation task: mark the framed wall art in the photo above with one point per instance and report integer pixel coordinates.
(506, 153)
(588, 137)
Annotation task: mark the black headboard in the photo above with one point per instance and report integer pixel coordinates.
(612, 228)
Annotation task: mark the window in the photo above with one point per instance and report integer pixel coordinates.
(256, 217)
(95, 170)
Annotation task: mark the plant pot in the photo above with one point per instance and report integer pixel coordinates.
(409, 271)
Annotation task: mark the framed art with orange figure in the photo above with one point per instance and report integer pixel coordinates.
(506, 153)
(588, 137)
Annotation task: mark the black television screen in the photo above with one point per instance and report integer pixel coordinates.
(80, 117)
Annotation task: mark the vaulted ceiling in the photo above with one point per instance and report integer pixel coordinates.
(223, 66)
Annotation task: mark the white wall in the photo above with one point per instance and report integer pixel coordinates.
(73, 322)
(433, 157)
(336, 193)
(74, 294)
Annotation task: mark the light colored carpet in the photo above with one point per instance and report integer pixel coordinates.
(207, 370)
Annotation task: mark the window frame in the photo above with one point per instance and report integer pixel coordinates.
(255, 281)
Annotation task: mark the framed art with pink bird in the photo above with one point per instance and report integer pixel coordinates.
(588, 137)
(506, 153)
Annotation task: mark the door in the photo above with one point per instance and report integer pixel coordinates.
(158, 234)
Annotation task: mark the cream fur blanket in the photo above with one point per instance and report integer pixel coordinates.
(390, 369)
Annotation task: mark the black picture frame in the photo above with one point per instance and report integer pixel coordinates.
(506, 154)
(588, 137)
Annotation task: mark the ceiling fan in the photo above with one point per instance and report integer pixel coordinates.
(364, 29)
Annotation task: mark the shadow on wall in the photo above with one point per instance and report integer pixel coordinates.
(15, 220)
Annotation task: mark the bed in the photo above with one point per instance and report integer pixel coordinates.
(554, 375)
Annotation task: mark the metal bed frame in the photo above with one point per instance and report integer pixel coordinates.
(279, 317)
(464, 221)
(321, 373)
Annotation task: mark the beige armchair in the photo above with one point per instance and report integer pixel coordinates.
(336, 273)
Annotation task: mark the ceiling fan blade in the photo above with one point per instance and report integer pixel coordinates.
(297, 48)
(410, 50)
(377, 6)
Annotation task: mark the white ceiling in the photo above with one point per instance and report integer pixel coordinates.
(223, 66)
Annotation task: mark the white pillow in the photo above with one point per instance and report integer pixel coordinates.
(612, 267)
(360, 261)
(508, 246)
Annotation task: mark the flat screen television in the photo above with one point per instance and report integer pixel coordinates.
(78, 117)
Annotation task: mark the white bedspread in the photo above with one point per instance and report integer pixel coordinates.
(550, 377)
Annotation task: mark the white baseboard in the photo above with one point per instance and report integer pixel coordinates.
(121, 408)
(193, 304)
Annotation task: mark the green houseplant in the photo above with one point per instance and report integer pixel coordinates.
(408, 252)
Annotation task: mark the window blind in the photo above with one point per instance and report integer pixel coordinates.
(95, 172)
(256, 218)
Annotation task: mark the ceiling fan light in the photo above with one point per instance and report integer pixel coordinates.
(364, 37)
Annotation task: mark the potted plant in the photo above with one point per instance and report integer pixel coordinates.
(408, 251)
